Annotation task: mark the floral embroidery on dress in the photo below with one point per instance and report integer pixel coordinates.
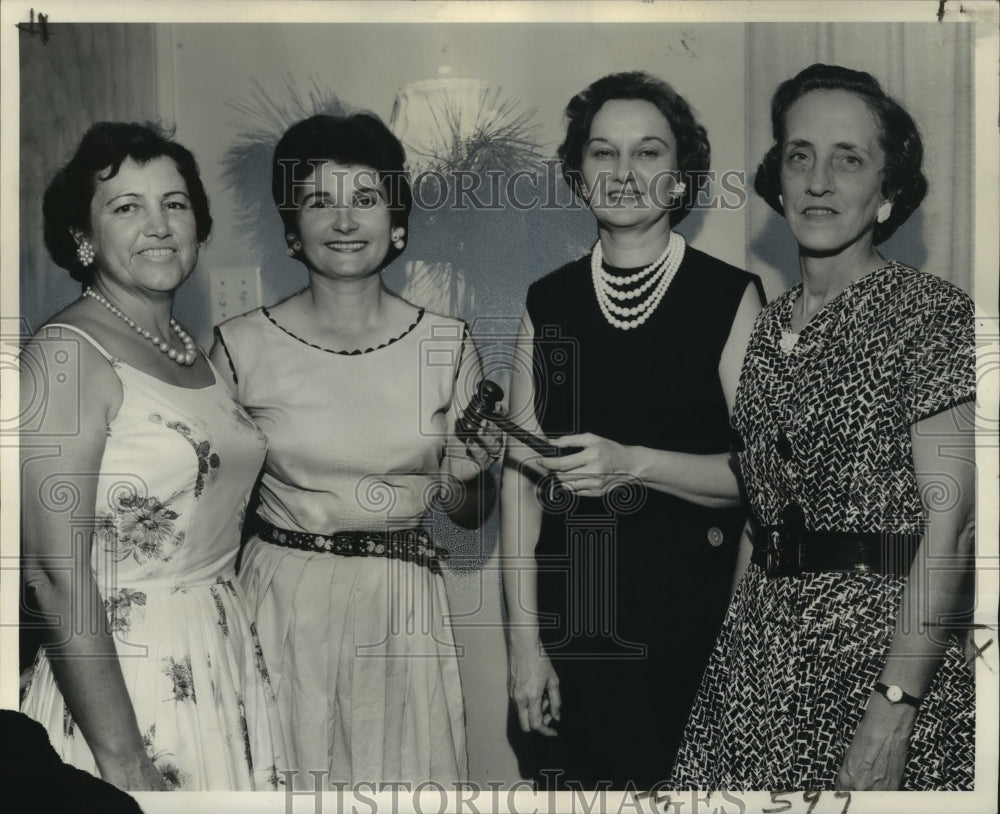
(221, 610)
(144, 528)
(208, 461)
(69, 725)
(258, 652)
(180, 673)
(245, 731)
(29, 675)
(119, 608)
(175, 778)
(274, 780)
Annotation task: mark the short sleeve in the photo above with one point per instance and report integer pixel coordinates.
(942, 356)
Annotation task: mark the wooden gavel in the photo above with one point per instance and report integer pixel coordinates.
(483, 406)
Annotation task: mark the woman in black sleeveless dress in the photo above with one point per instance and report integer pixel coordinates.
(619, 557)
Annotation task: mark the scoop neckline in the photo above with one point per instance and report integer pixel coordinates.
(117, 361)
(209, 386)
(356, 352)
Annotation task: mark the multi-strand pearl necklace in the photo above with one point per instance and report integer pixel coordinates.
(656, 278)
(185, 357)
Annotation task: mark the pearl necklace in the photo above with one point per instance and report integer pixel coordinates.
(185, 357)
(659, 275)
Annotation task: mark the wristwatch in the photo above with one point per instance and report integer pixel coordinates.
(895, 694)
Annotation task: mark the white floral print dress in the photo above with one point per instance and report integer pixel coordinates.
(172, 492)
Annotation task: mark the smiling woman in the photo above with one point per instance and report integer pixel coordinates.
(344, 221)
(831, 174)
(840, 662)
(142, 227)
(143, 595)
(358, 392)
(627, 547)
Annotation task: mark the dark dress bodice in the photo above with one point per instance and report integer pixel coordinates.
(632, 586)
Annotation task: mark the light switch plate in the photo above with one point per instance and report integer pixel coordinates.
(234, 290)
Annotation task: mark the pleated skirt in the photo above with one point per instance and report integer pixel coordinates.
(363, 663)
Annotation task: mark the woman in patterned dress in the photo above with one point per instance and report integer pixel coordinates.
(358, 392)
(838, 665)
(619, 567)
(136, 469)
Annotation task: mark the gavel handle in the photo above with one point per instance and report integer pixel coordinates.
(483, 406)
(528, 439)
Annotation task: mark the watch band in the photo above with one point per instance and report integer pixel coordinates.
(895, 694)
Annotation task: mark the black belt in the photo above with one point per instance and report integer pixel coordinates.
(789, 549)
(411, 545)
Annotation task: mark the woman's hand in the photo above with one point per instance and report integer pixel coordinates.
(135, 774)
(466, 459)
(534, 687)
(876, 756)
(599, 466)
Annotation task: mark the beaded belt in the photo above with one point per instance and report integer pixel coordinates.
(411, 545)
(789, 549)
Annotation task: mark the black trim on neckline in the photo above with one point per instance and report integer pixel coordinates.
(356, 352)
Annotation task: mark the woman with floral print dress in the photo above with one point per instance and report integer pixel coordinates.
(135, 463)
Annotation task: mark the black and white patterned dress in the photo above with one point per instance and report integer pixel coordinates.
(794, 665)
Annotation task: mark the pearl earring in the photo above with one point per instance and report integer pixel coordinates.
(294, 244)
(85, 252)
(397, 239)
(781, 199)
(883, 212)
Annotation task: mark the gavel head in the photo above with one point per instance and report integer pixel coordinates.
(488, 394)
(481, 405)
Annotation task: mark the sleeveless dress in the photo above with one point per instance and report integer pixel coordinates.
(632, 587)
(172, 490)
(790, 677)
(361, 651)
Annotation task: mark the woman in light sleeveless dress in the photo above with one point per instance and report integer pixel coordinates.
(152, 676)
(358, 392)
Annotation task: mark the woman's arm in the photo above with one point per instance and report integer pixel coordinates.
(57, 568)
(532, 681)
(467, 463)
(708, 480)
(743, 555)
(943, 459)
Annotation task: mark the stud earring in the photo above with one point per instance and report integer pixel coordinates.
(294, 244)
(397, 239)
(85, 252)
(781, 199)
(883, 212)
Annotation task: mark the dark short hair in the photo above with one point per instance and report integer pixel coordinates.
(103, 149)
(903, 183)
(693, 149)
(360, 139)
